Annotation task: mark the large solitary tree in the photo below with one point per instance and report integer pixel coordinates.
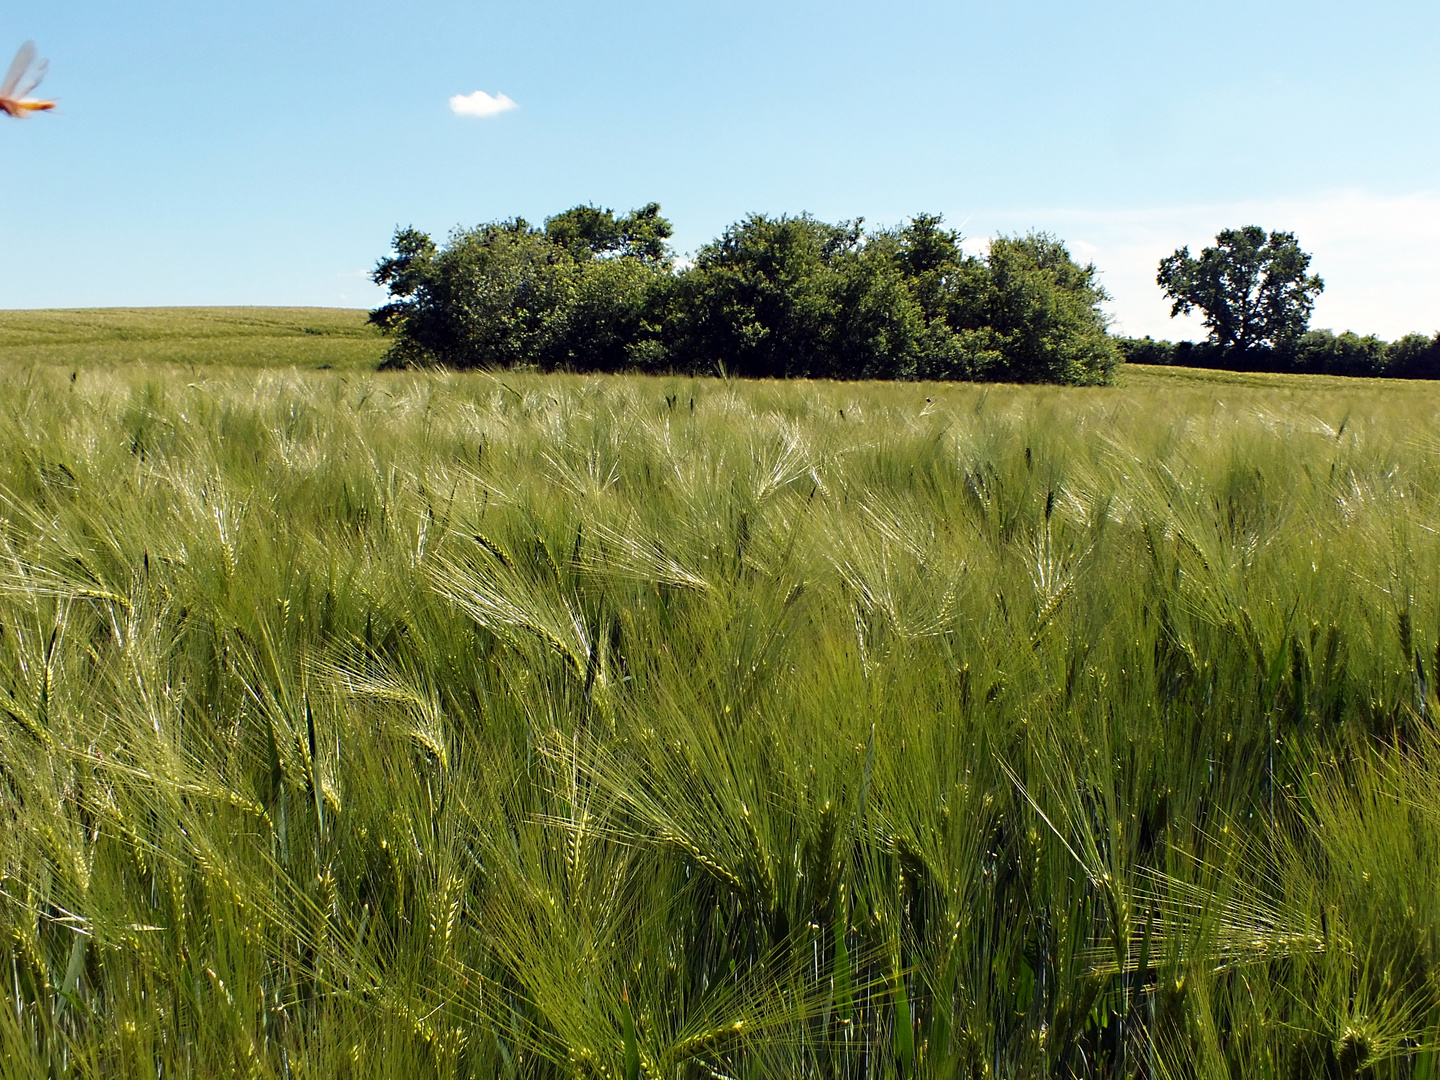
(1252, 288)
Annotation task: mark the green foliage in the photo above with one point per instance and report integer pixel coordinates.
(506, 294)
(773, 297)
(1146, 350)
(1318, 352)
(1034, 316)
(793, 296)
(1251, 288)
(1323, 352)
(587, 232)
(1414, 356)
(450, 725)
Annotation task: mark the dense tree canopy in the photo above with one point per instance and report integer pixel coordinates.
(1413, 356)
(1033, 315)
(571, 294)
(771, 297)
(792, 296)
(1252, 288)
(1315, 352)
(588, 232)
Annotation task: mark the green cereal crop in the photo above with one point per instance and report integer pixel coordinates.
(504, 725)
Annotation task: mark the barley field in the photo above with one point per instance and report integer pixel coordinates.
(427, 725)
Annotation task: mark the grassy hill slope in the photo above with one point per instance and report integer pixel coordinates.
(242, 336)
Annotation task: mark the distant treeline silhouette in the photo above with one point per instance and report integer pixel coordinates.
(772, 297)
(1316, 352)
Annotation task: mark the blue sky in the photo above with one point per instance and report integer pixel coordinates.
(264, 152)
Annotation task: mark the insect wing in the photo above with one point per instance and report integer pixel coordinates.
(23, 59)
(32, 80)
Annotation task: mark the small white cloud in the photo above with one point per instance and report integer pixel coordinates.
(480, 104)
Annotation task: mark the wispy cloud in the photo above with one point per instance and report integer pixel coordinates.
(480, 104)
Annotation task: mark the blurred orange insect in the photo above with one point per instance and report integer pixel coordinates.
(24, 75)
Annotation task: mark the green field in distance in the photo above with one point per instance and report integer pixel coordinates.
(243, 336)
(341, 339)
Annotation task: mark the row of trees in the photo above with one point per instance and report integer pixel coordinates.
(1256, 296)
(1315, 352)
(780, 297)
(772, 297)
